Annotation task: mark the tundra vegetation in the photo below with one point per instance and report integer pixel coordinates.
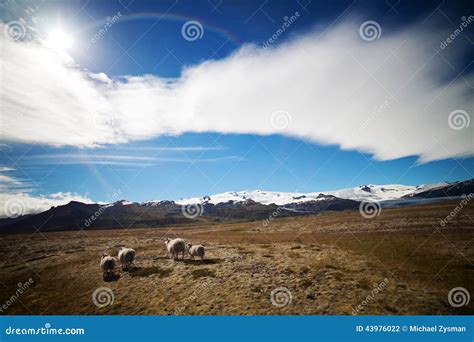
(330, 263)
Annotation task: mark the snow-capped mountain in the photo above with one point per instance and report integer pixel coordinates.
(368, 192)
(229, 206)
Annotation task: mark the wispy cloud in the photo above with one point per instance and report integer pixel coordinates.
(119, 160)
(11, 184)
(327, 87)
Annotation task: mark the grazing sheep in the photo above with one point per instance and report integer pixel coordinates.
(197, 251)
(107, 264)
(175, 247)
(126, 256)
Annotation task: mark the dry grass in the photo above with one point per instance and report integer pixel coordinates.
(330, 263)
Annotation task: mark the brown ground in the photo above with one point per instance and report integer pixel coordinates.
(329, 263)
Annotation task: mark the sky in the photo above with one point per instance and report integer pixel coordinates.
(142, 100)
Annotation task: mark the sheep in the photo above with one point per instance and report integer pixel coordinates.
(175, 247)
(107, 264)
(197, 251)
(126, 256)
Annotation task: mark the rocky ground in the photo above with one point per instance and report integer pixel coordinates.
(401, 262)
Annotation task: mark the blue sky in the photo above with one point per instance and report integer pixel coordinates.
(173, 163)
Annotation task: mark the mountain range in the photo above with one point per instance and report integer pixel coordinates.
(228, 207)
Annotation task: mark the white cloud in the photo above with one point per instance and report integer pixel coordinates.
(331, 86)
(13, 205)
(100, 77)
(10, 183)
(119, 160)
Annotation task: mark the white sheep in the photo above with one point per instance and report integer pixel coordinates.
(196, 251)
(126, 256)
(107, 264)
(175, 247)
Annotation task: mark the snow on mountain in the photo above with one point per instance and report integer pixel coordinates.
(263, 197)
(374, 192)
(427, 187)
(368, 192)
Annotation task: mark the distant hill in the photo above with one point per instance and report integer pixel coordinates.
(446, 190)
(78, 216)
(225, 207)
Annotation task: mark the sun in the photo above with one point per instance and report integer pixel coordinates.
(58, 40)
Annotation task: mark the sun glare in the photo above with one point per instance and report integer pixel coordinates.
(59, 40)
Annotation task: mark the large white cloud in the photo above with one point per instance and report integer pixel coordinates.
(383, 97)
